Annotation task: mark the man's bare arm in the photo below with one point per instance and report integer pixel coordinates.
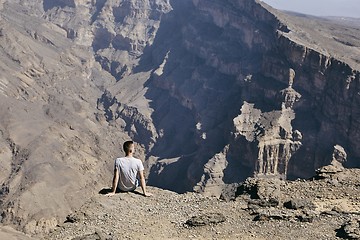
(143, 184)
(115, 182)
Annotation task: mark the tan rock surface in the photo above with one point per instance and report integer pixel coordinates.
(164, 215)
(9, 233)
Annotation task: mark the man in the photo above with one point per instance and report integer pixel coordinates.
(126, 171)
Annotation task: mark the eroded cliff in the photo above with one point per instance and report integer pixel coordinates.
(203, 86)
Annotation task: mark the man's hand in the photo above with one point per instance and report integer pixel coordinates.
(110, 194)
(147, 194)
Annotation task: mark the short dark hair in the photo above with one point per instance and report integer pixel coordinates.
(126, 146)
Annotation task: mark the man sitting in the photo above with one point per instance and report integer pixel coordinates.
(126, 171)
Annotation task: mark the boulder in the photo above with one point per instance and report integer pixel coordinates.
(206, 219)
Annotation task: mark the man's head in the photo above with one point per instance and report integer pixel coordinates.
(128, 147)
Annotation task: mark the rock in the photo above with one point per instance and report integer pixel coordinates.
(263, 189)
(298, 204)
(285, 215)
(338, 158)
(255, 203)
(72, 218)
(206, 219)
(349, 230)
(339, 154)
(273, 214)
(211, 182)
(297, 135)
(305, 217)
(288, 95)
(328, 170)
(229, 192)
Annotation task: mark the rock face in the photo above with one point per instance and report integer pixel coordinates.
(203, 87)
(273, 133)
(53, 147)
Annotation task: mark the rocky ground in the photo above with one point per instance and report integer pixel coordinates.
(326, 208)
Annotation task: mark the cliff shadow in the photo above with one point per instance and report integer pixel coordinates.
(173, 119)
(105, 191)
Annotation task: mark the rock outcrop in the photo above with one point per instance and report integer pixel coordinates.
(301, 200)
(272, 132)
(336, 164)
(263, 209)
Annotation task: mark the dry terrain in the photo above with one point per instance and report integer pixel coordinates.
(214, 93)
(318, 210)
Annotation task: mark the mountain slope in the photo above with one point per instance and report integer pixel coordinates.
(213, 92)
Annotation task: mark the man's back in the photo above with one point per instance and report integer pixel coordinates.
(128, 168)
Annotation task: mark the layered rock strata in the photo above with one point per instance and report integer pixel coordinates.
(272, 131)
(79, 77)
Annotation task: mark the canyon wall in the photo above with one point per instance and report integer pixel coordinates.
(212, 91)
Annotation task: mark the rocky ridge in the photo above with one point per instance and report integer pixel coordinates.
(325, 208)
